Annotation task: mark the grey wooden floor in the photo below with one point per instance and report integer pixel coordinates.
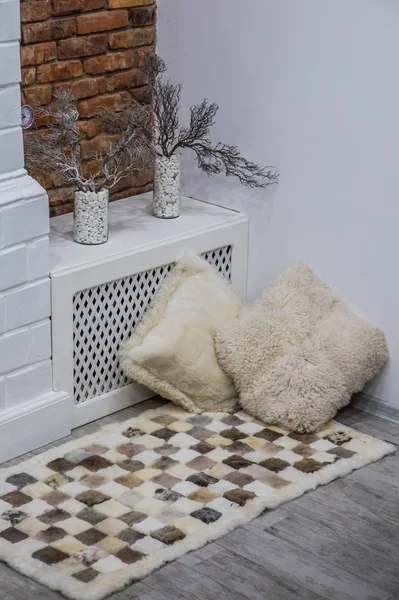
(339, 542)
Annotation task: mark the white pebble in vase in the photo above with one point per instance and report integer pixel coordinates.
(166, 199)
(90, 217)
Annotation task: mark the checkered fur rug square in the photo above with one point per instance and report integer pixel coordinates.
(91, 516)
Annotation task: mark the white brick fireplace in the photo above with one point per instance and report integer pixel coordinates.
(31, 414)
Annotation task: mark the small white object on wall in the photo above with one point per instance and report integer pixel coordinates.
(27, 116)
(100, 292)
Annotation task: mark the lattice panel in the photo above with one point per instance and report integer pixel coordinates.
(105, 316)
(220, 259)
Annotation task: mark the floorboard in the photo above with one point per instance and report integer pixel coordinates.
(193, 558)
(297, 567)
(14, 586)
(361, 523)
(136, 591)
(319, 539)
(251, 580)
(152, 595)
(179, 582)
(368, 423)
(339, 541)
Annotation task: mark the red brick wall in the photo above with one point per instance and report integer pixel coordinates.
(95, 48)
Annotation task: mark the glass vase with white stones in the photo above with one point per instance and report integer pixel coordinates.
(90, 217)
(166, 202)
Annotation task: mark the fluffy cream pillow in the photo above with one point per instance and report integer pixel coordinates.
(298, 354)
(172, 351)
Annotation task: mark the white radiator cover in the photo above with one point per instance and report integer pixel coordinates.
(100, 293)
(106, 315)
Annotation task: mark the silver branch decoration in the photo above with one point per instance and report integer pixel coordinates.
(170, 136)
(58, 148)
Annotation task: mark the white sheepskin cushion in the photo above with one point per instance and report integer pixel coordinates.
(298, 354)
(172, 351)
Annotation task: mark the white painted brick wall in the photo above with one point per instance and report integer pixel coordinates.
(25, 308)
(25, 331)
(38, 258)
(27, 384)
(13, 266)
(19, 188)
(25, 346)
(9, 20)
(24, 262)
(24, 220)
(11, 153)
(2, 393)
(10, 100)
(2, 314)
(27, 304)
(10, 66)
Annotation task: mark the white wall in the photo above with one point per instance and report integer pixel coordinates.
(311, 87)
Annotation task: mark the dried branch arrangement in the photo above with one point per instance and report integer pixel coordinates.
(59, 148)
(170, 136)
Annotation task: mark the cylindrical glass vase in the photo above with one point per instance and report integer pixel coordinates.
(90, 217)
(166, 203)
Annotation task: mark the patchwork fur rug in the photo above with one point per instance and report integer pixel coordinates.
(91, 516)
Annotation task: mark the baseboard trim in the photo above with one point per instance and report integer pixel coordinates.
(376, 407)
(28, 426)
(99, 407)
